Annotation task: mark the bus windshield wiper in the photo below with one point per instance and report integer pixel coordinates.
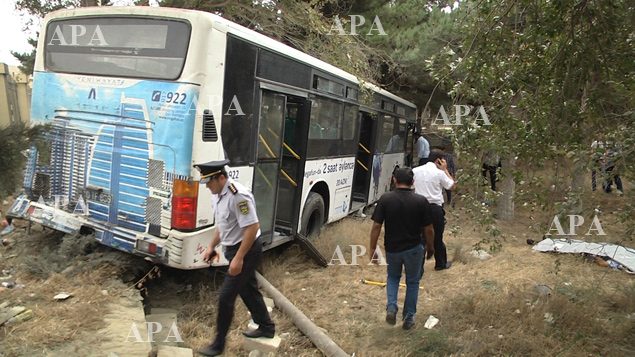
(125, 52)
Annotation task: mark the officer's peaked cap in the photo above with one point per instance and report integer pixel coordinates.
(211, 168)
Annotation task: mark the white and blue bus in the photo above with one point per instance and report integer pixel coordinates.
(136, 95)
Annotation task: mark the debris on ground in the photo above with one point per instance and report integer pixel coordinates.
(431, 322)
(62, 296)
(370, 282)
(9, 313)
(542, 290)
(8, 229)
(480, 254)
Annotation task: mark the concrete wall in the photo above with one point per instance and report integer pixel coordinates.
(15, 95)
(24, 84)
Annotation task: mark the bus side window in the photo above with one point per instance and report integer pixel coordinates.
(315, 131)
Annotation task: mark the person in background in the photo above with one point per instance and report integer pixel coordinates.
(430, 180)
(449, 159)
(237, 230)
(406, 215)
(396, 143)
(597, 155)
(423, 148)
(490, 163)
(611, 158)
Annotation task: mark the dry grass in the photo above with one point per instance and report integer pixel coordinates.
(485, 307)
(56, 323)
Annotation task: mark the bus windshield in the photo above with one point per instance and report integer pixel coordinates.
(116, 46)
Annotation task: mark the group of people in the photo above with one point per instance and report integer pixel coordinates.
(413, 219)
(414, 223)
(423, 156)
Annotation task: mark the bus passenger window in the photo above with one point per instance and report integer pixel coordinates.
(349, 125)
(385, 131)
(325, 129)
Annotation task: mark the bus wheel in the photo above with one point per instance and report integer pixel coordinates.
(313, 215)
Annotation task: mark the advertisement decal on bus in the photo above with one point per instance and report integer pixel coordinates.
(119, 144)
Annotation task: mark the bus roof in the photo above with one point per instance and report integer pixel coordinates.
(229, 27)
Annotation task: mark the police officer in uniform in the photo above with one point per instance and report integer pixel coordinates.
(237, 230)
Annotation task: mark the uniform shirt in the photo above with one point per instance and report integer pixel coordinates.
(234, 209)
(423, 148)
(405, 214)
(430, 182)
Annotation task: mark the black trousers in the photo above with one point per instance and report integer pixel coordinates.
(438, 222)
(423, 161)
(245, 285)
(609, 181)
(492, 175)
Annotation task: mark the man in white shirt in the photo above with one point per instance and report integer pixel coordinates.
(423, 149)
(430, 181)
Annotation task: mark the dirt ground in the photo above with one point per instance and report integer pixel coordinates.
(485, 307)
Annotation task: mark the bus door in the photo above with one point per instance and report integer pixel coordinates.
(279, 165)
(364, 161)
(296, 130)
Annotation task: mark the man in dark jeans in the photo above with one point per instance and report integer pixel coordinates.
(407, 216)
(237, 230)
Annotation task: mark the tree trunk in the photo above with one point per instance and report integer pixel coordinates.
(507, 188)
(577, 185)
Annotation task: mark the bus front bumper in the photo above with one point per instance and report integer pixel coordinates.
(181, 250)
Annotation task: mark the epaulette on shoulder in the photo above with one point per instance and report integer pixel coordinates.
(233, 188)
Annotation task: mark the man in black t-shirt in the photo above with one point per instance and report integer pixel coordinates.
(407, 215)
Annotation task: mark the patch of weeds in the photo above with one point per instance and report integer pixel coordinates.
(490, 285)
(47, 262)
(557, 264)
(433, 342)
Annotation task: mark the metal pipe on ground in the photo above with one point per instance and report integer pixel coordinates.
(308, 328)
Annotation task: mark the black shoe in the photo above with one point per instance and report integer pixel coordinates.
(407, 325)
(210, 351)
(259, 333)
(391, 316)
(447, 266)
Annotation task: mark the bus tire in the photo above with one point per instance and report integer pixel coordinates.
(313, 215)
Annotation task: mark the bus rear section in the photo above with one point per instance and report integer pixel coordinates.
(117, 160)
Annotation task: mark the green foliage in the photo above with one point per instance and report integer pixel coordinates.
(27, 59)
(15, 139)
(551, 75)
(39, 8)
(415, 32)
(299, 24)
